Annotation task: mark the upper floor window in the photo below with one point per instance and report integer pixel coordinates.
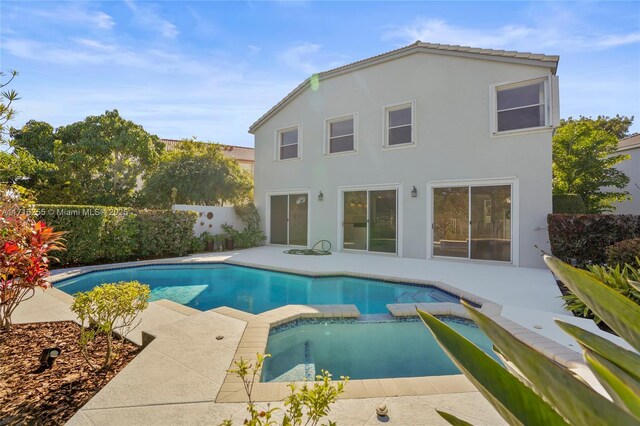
(521, 106)
(399, 125)
(341, 134)
(288, 143)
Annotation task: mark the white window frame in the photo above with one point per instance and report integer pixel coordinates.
(386, 128)
(327, 134)
(267, 215)
(278, 133)
(398, 187)
(515, 216)
(551, 105)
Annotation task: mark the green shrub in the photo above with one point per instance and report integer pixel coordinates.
(82, 226)
(96, 234)
(579, 239)
(166, 233)
(308, 401)
(119, 237)
(616, 277)
(249, 237)
(108, 309)
(624, 252)
(568, 204)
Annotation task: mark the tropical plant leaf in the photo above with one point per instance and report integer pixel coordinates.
(626, 360)
(624, 389)
(635, 284)
(618, 312)
(453, 420)
(516, 403)
(572, 398)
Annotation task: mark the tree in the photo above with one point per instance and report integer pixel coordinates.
(99, 159)
(196, 173)
(107, 309)
(7, 97)
(36, 137)
(584, 156)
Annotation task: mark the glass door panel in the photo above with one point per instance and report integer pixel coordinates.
(451, 221)
(382, 221)
(491, 222)
(298, 214)
(278, 220)
(354, 227)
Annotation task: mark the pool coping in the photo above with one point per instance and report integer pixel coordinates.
(256, 333)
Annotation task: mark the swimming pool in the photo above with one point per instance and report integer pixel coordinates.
(362, 350)
(208, 286)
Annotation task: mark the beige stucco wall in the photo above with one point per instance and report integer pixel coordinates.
(452, 98)
(631, 168)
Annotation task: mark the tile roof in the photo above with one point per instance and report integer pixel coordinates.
(550, 61)
(240, 153)
(630, 142)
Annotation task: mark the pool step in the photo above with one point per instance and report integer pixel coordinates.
(157, 315)
(305, 370)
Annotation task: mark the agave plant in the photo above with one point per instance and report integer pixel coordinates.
(551, 393)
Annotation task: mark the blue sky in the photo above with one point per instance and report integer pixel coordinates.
(210, 69)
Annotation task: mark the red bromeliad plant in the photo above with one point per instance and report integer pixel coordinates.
(24, 263)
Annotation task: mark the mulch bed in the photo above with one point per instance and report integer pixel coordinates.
(53, 396)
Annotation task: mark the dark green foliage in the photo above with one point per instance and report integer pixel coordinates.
(249, 237)
(37, 137)
(82, 226)
(96, 161)
(95, 234)
(119, 237)
(580, 239)
(166, 233)
(624, 252)
(568, 204)
(196, 173)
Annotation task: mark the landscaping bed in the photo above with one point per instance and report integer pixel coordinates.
(53, 396)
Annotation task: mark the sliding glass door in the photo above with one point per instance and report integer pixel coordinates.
(472, 222)
(370, 221)
(288, 222)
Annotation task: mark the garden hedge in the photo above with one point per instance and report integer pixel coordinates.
(582, 239)
(624, 252)
(568, 204)
(97, 234)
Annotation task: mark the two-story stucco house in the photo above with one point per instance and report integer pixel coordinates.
(428, 151)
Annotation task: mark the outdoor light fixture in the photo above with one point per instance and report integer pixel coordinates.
(47, 357)
(414, 192)
(320, 196)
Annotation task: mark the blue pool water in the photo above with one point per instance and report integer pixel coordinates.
(254, 290)
(363, 350)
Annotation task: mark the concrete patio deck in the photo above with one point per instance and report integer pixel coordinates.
(177, 378)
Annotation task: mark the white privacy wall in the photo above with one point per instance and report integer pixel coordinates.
(452, 100)
(219, 216)
(631, 168)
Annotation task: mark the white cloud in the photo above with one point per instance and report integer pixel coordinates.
(300, 57)
(537, 36)
(77, 14)
(439, 31)
(615, 40)
(147, 16)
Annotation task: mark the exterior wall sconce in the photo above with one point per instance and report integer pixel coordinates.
(320, 196)
(414, 192)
